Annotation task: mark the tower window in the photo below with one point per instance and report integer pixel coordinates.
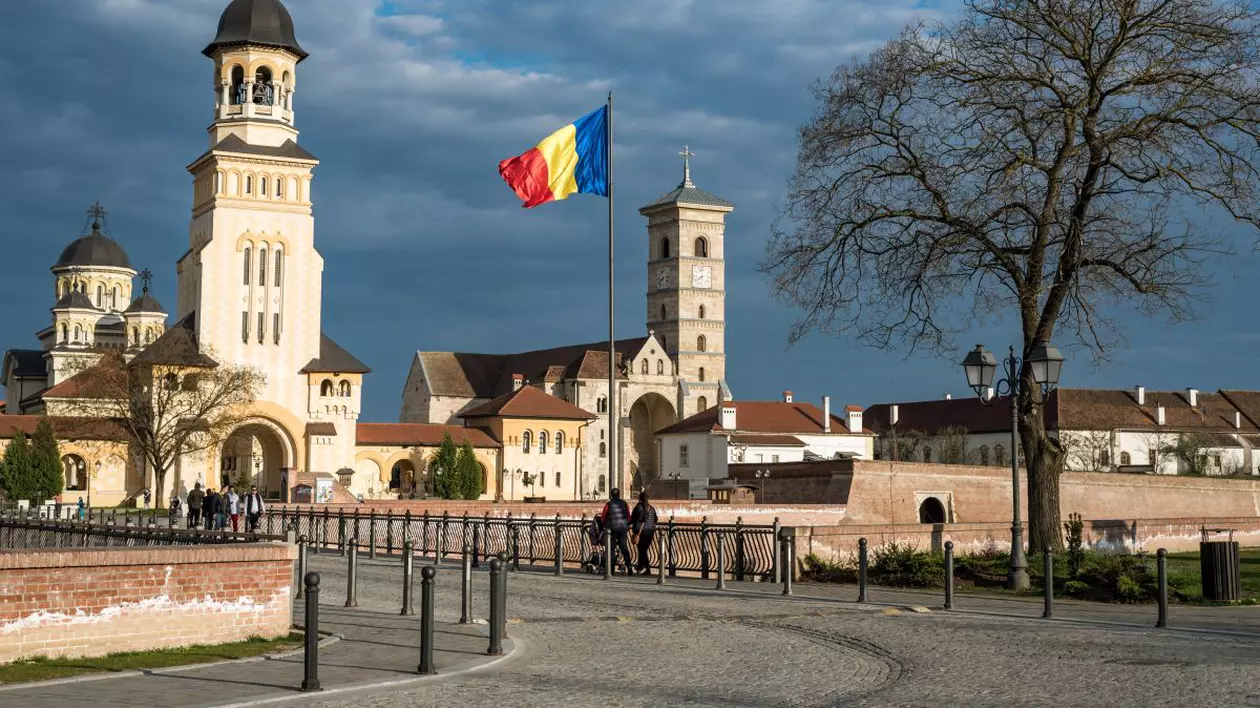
(527, 439)
(262, 267)
(701, 344)
(279, 266)
(238, 86)
(249, 184)
(65, 332)
(559, 446)
(601, 404)
(100, 296)
(326, 388)
(264, 92)
(702, 248)
(603, 452)
(702, 404)
(701, 373)
(262, 321)
(662, 312)
(78, 333)
(344, 389)
(542, 442)
(279, 188)
(275, 327)
(262, 186)
(701, 312)
(664, 248)
(664, 341)
(247, 265)
(245, 327)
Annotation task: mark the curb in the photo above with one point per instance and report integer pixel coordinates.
(328, 640)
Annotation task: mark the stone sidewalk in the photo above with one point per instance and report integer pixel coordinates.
(376, 648)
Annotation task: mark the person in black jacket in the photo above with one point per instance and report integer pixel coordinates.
(643, 528)
(616, 519)
(210, 509)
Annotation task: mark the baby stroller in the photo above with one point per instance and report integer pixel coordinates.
(595, 562)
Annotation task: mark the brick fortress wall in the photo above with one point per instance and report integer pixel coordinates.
(92, 602)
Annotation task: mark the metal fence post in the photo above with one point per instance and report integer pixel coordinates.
(949, 575)
(1161, 565)
(408, 570)
(533, 557)
(862, 561)
(476, 542)
(310, 655)
(426, 620)
(704, 548)
(424, 536)
(301, 563)
(441, 550)
(496, 621)
(372, 534)
(776, 552)
(465, 604)
(559, 548)
(322, 546)
(786, 552)
(503, 578)
(516, 547)
(352, 577)
(721, 561)
(739, 548)
(660, 559)
(341, 531)
(389, 532)
(1048, 582)
(669, 548)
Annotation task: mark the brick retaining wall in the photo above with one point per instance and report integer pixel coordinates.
(92, 602)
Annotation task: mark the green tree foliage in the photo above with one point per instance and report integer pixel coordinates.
(46, 471)
(469, 472)
(444, 469)
(17, 469)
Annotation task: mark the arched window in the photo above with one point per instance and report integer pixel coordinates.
(135, 336)
(662, 312)
(999, 455)
(542, 442)
(601, 404)
(927, 454)
(246, 281)
(702, 404)
(326, 388)
(984, 455)
(100, 296)
(262, 267)
(279, 266)
(702, 312)
(249, 184)
(602, 484)
(664, 248)
(113, 299)
(148, 335)
(1126, 459)
(76, 473)
(660, 367)
(279, 188)
(643, 368)
(262, 185)
(701, 344)
(527, 439)
(701, 373)
(559, 443)
(264, 92)
(78, 332)
(932, 511)
(65, 332)
(344, 389)
(702, 248)
(237, 96)
(603, 452)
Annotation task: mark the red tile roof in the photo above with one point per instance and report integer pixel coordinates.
(762, 417)
(773, 440)
(528, 402)
(470, 375)
(419, 434)
(65, 428)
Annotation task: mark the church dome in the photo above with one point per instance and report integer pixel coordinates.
(145, 304)
(95, 249)
(262, 22)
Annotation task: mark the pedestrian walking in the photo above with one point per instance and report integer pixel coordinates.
(195, 499)
(616, 519)
(147, 497)
(254, 509)
(82, 508)
(174, 511)
(232, 502)
(643, 530)
(212, 508)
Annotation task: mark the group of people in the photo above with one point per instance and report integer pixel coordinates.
(216, 509)
(623, 525)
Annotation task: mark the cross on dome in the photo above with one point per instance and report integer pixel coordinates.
(146, 277)
(686, 156)
(96, 213)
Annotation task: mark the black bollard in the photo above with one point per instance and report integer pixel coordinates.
(426, 620)
(559, 549)
(496, 621)
(608, 551)
(476, 546)
(310, 658)
(465, 605)
(1048, 583)
(1161, 565)
(372, 535)
(788, 554)
(503, 578)
(408, 569)
(949, 575)
(301, 564)
(352, 577)
(862, 571)
(721, 562)
(660, 558)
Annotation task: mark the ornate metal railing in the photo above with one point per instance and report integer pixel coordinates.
(750, 550)
(25, 531)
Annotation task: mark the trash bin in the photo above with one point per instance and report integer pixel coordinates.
(1219, 570)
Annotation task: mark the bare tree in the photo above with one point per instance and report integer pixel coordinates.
(165, 410)
(952, 442)
(901, 444)
(1194, 453)
(1088, 450)
(1032, 159)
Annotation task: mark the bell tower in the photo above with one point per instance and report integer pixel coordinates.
(686, 302)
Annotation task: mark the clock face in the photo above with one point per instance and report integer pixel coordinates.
(662, 278)
(702, 276)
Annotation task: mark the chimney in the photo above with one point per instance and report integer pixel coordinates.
(1159, 415)
(1139, 394)
(1192, 395)
(894, 414)
(949, 397)
(518, 380)
(727, 420)
(1237, 420)
(854, 416)
(787, 396)
(826, 414)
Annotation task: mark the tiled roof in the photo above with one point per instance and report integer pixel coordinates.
(145, 303)
(27, 362)
(332, 358)
(74, 300)
(419, 434)
(70, 388)
(528, 402)
(762, 417)
(469, 375)
(687, 193)
(288, 149)
(65, 428)
(770, 440)
(176, 347)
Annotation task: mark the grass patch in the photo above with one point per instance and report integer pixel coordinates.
(44, 669)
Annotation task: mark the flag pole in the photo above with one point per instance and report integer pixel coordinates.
(614, 449)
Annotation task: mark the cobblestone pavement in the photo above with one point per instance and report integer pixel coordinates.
(630, 643)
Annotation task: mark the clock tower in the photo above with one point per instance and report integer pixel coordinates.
(686, 302)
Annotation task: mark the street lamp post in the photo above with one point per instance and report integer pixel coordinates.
(1045, 363)
(765, 486)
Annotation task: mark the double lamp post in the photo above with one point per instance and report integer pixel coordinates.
(1045, 363)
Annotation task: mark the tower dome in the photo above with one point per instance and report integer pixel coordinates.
(95, 249)
(262, 22)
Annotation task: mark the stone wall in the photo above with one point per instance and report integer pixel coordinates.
(97, 601)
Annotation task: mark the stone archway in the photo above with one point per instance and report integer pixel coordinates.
(259, 451)
(649, 413)
(932, 511)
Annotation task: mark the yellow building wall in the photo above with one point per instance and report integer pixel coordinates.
(557, 476)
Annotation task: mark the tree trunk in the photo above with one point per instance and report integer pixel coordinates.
(1043, 459)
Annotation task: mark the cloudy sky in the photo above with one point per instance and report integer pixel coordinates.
(410, 104)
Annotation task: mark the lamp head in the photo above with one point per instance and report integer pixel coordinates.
(979, 365)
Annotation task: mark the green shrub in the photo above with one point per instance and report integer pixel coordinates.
(836, 570)
(902, 565)
(1075, 529)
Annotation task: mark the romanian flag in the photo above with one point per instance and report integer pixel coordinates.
(572, 159)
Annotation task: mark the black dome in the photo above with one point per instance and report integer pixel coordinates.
(145, 303)
(264, 22)
(95, 249)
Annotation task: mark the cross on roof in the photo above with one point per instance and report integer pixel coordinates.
(146, 277)
(686, 156)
